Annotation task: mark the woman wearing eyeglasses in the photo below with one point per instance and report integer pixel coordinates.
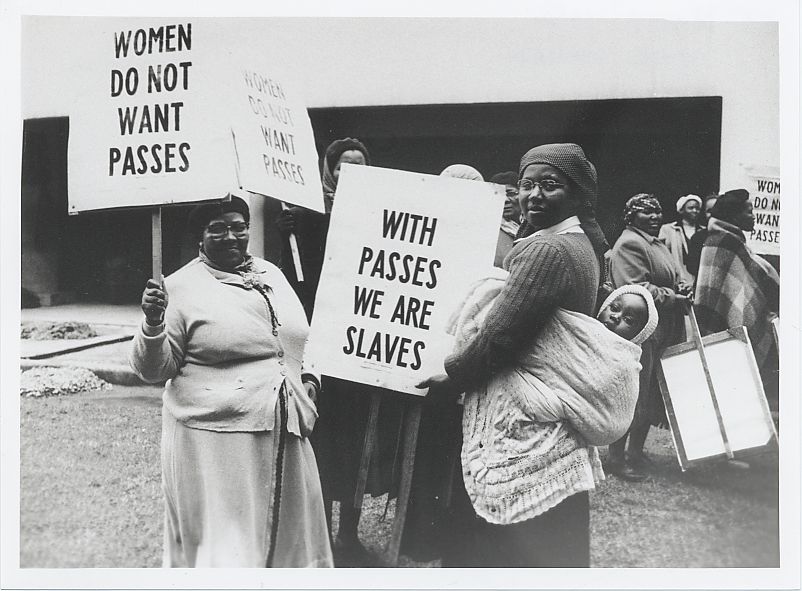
(639, 256)
(239, 476)
(523, 497)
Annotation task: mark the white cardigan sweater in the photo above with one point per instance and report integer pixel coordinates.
(223, 363)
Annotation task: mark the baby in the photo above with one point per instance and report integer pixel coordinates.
(629, 312)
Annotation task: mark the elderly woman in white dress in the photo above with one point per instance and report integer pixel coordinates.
(227, 333)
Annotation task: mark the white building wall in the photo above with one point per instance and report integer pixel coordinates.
(361, 62)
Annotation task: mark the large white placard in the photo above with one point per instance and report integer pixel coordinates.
(146, 130)
(402, 249)
(167, 114)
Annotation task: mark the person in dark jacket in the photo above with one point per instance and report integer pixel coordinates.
(698, 239)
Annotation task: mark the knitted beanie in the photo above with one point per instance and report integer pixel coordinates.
(571, 160)
(651, 322)
(462, 171)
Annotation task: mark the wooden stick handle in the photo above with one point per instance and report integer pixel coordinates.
(156, 243)
(411, 425)
(368, 445)
(296, 254)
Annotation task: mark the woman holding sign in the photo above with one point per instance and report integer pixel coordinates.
(556, 265)
(238, 472)
(343, 405)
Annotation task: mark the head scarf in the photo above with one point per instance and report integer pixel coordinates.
(505, 178)
(202, 214)
(332, 156)
(683, 200)
(462, 171)
(651, 321)
(639, 203)
(729, 205)
(571, 160)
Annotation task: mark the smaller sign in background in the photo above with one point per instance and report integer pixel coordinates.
(764, 191)
(275, 145)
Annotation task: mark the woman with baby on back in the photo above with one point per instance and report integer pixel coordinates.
(544, 520)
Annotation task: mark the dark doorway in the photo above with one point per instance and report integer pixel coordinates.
(93, 256)
(666, 146)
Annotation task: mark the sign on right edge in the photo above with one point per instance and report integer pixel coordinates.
(764, 191)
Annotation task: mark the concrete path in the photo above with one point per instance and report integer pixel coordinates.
(92, 313)
(106, 355)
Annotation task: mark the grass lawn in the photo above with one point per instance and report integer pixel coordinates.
(90, 496)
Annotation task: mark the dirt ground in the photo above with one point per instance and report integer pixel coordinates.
(90, 496)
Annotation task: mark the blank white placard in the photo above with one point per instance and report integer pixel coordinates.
(738, 390)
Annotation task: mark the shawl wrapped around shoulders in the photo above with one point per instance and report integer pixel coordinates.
(735, 287)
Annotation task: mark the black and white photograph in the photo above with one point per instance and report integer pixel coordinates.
(438, 289)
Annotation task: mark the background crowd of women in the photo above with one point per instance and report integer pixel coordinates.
(241, 414)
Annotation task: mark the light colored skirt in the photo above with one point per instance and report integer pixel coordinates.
(241, 499)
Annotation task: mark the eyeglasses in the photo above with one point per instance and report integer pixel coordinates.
(546, 185)
(512, 193)
(219, 229)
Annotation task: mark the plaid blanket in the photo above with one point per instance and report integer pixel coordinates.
(735, 287)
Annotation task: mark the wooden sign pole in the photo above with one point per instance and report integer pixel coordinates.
(411, 426)
(296, 255)
(156, 243)
(368, 445)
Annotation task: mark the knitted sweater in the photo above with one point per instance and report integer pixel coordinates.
(515, 468)
(223, 362)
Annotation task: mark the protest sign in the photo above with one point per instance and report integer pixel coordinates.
(402, 250)
(733, 416)
(162, 104)
(275, 146)
(145, 130)
(764, 190)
